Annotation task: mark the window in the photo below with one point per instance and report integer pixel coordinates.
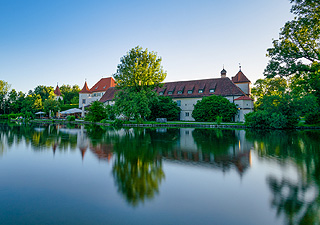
(187, 114)
(96, 88)
(94, 94)
(200, 90)
(211, 91)
(169, 92)
(161, 93)
(178, 102)
(179, 92)
(83, 101)
(190, 92)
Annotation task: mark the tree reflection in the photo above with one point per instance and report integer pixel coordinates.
(137, 169)
(298, 201)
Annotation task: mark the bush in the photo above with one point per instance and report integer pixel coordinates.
(219, 119)
(313, 117)
(164, 107)
(118, 123)
(71, 118)
(4, 117)
(210, 107)
(263, 119)
(96, 112)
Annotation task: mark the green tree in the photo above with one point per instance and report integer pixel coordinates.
(137, 75)
(212, 106)
(96, 112)
(133, 104)
(139, 69)
(51, 105)
(297, 52)
(164, 107)
(70, 94)
(45, 92)
(32, 103)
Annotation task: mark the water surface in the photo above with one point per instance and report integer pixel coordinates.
(91, 175)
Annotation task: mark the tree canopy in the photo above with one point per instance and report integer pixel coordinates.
(212, 106)
(297, 51)
(139, 69)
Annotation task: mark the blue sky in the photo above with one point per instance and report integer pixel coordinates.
(43, 42)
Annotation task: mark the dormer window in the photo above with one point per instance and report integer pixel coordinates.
(179, 92)
(169, 92)
(211, 90)
(200, 90)
(104, 87)
(161, 93)
(96, 88)
(190, 92)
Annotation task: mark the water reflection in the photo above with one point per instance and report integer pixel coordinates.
(137, 157)
(298, 200)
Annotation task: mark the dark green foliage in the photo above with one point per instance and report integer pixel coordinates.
(4, 116)
(164, 107)
(264, 119)
(219, 119)
(118, 123)
(210, 107)
(313, 117)
(96, 112)
(133, 104)
(51, 105)
(71, 118)
(111, 113)
(70, 94)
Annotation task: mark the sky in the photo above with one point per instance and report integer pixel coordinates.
(50, 42)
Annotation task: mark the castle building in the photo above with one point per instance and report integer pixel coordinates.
(188, 93)
(86, 95)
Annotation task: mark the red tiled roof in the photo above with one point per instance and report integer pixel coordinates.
(240, 78)
(244, 98)
(57, 91)
(221, 86)
(85, 88)
(103, 84)
(108, 95)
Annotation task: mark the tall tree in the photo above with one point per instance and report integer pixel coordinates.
(139, 69)
(297, 52)
(137, 75)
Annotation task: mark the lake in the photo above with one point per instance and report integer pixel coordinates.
(58, 174)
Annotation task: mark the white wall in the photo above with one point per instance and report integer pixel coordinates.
(245, 87)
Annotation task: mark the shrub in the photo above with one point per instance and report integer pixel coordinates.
(313, 117)
(96, 112)
(264, 119)
(118, 123)
(164, 107)
(210, 107)
(4, 116)
(219, 119)
(71, 118)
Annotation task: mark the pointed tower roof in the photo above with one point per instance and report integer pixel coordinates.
(240, 78)
(85, 88)
(57, 91)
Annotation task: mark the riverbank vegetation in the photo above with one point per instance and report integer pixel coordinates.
(291, 89)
